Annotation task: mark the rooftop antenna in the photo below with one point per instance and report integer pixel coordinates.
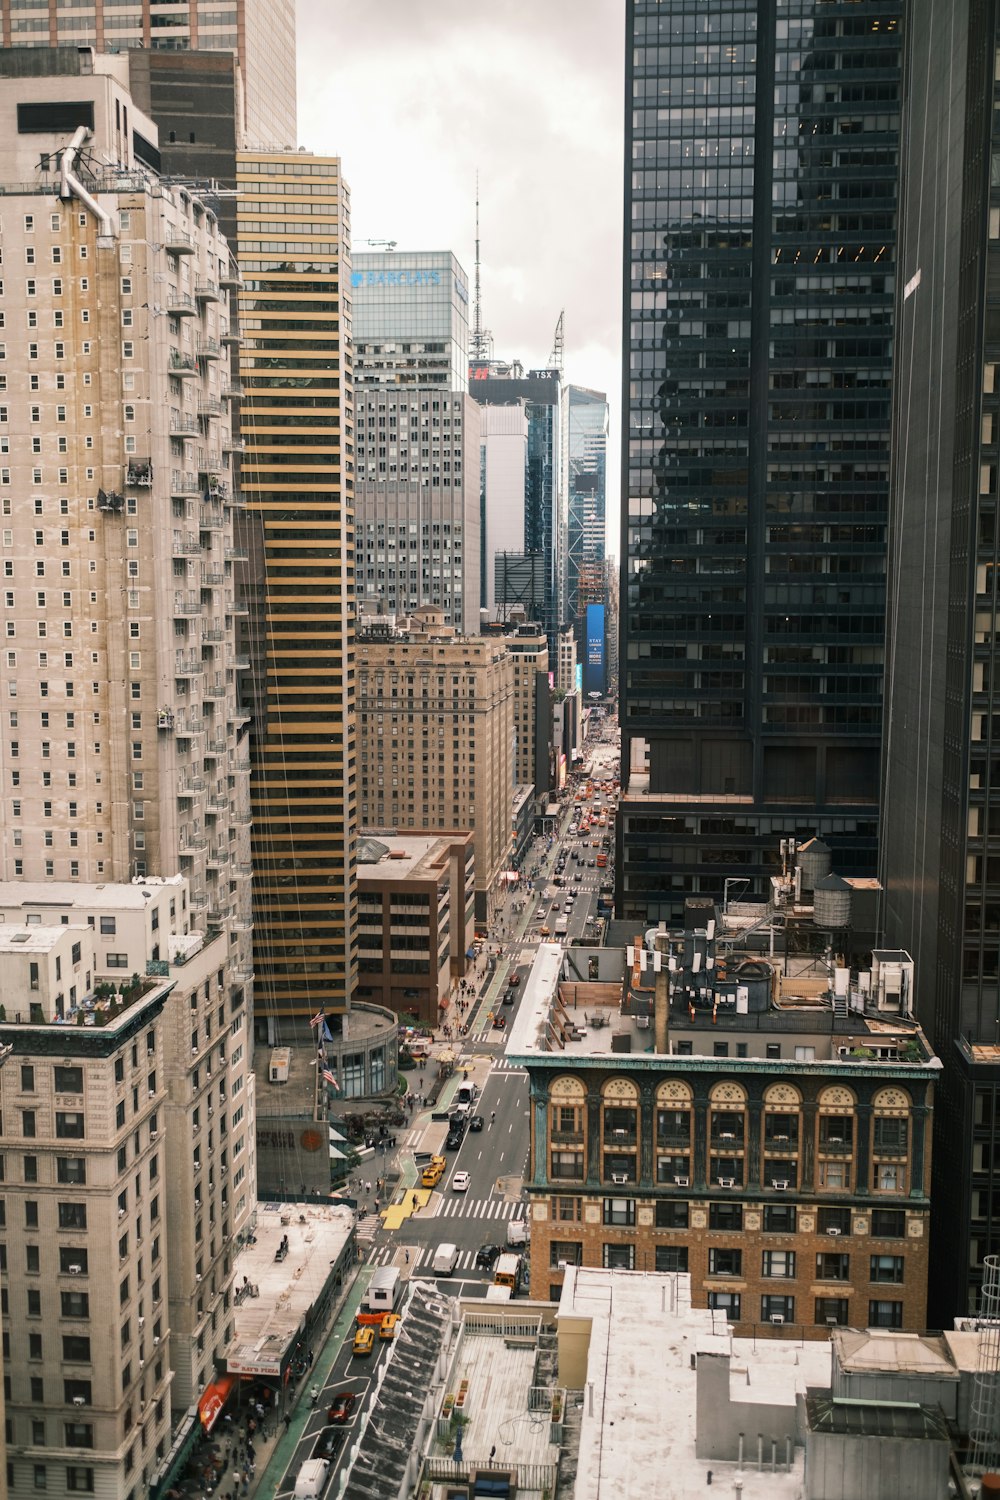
(482, 339)
(557, 357)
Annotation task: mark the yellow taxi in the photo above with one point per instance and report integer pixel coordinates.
(364, 1341)
(544, 931)
(387, 1330)
(433, 1172)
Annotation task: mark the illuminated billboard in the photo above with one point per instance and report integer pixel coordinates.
(594, 668)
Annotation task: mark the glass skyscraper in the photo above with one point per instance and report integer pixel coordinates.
(760, 220)
(586, 488)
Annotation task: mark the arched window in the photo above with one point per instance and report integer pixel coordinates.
(620, 1131)
(835, 1139)
(727, 1134)
(673, 1133)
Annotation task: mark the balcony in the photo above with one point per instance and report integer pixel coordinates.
(242, 663)
(210, 463)
(209, 406)
(187, 604)
(232, 336)
(185, 544)
(177, 241)
(187, 666)
(243, 871)
(181, 305)
(187, 728)
(237, 554)
(207, 291)
(218, 857)
(233, 391)
(215, 747)
(219, 801)
(211, 518)
(192, 843)
(231, 277)
(184, 424)
(212, 575)
(236, 606)
(232, 444)
(212, 633)
(214, 690)
(139, 474)
(182, 485)
(209, 348)
(182, 365)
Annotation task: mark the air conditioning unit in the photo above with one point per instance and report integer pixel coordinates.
(727, 1135)
(833, 1231)
(142, 1364)
(156, 1339)
(619, 1177)
(198, 1277)
(780, 1138)
(151, 1093)
(777, 1317)
(153, 1134)
(835, 1140)
(781, 1183)
(561, 1265)
(727, 1182)
(79, 1401)
(75, 1270)
(142, 1322)
(681, 1181)
(121, 1213)
(831, 1322)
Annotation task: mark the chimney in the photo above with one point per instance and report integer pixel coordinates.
(661, 1000)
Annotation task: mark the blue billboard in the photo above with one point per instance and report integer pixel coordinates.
(594, 674)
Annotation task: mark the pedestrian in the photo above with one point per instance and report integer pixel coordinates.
(415, 1203)
(287, 1419)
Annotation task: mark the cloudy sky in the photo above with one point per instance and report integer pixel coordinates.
(415, 97)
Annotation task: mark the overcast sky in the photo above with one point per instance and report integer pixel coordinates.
(415, 97)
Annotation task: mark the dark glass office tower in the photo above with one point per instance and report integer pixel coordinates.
(760, 211)
(940, 834)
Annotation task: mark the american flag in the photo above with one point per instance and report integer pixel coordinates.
(316, 1018)
(330, 1079)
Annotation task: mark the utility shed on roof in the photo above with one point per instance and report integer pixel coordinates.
(875, 1450)
(889, 1365)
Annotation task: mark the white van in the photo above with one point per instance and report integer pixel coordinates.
(445, 1260)
(311, 1480)
(517, 1232)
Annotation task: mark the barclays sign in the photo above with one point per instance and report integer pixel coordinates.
(361, 279)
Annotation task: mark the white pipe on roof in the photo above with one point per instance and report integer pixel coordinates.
(70, 185)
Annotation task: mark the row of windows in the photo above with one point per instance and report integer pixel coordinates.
(778, 1218)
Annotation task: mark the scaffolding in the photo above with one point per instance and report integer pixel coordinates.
(984, 1433)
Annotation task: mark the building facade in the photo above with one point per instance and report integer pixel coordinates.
(940, 775)
(498, 383)
(503, 469)
(261, 34)
(436, 737)
(679, 1123)
(529, 651)
(411, 319)
(760, 213)
(416, 920)
(586, 491)
(298, 479)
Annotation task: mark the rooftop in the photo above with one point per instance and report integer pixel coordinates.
(268, 1321)
(32, 894)
(402, 855)
(644, 1337)
(889, 1351)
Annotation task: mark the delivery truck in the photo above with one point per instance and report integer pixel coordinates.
(384, 1290)
(445, 1260)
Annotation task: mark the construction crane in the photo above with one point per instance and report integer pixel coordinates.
(379, 244)
(557, 357)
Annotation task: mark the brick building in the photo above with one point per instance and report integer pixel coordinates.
(701, 1111)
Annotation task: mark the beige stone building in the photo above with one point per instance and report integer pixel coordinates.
(436, 736)
(529, 651)
(416, 919)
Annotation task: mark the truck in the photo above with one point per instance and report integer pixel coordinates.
(445, 1260)
(311, 1479)
(384, 1290)
(562, 927)
(467, 1093)
(517, 1232)
(507, 1272)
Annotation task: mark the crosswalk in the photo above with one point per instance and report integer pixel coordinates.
(421, 1258)
(367, 1229)
(459, 1206)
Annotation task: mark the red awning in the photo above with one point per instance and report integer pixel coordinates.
(213, 1399)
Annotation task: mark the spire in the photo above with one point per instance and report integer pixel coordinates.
(482, 339)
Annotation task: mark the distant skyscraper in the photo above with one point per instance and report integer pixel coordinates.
(760, 211)
(586, 490)
(940, 844)
(417, 437)
(294, 228)
(496, 383)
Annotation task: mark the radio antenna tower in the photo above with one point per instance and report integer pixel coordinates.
(482, 339)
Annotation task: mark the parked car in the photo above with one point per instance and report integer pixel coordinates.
(341, 1406)
(500, 1022)
(460, 1182)
(475, 1122)
(509, 996)
(514, 980)
(388, 1325)
(364, 1341)
(453, 1140)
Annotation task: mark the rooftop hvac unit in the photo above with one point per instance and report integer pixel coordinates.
(777, 1317)
(681, 1181)
(727, 1182)
(833, 1231)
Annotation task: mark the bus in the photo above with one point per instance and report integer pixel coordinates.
(602, 861)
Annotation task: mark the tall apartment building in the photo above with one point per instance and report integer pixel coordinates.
(586, 491)
(680, 1123)
(940, 833)
(260, 34)
(760, 214)
(417, 488)
(122, 744)
(436, 737)
(529, 651)
(498, 383)
(298, 478)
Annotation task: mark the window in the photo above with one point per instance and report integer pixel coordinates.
(725, 1262)
(618, 1257)
(671, 1258)
(778, 1263)
(28, 1123)
(779, 1218)
(619, 1211)
(79, 1435)
(79, 1481)
(725, 1216)
(886, 1268)
(833, 1266)
(69, 1126)
(727, 1302)
(74, 1304)
(28, 1072)
(834, 1221)
(72, 1215)
(671, 1215)
(566, 1164)
(888, 1223)
(565, 1252)
(72, 1260)
(69, 1080)
(831, 1310)
(775, 1309)
(890, 1136)
(885, 1314)
(108, 926)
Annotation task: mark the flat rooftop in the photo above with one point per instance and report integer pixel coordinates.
(418, 855)
(267, 1324)
(499, 1361)
(638, 1414)
(136, 896)
(37, 939)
